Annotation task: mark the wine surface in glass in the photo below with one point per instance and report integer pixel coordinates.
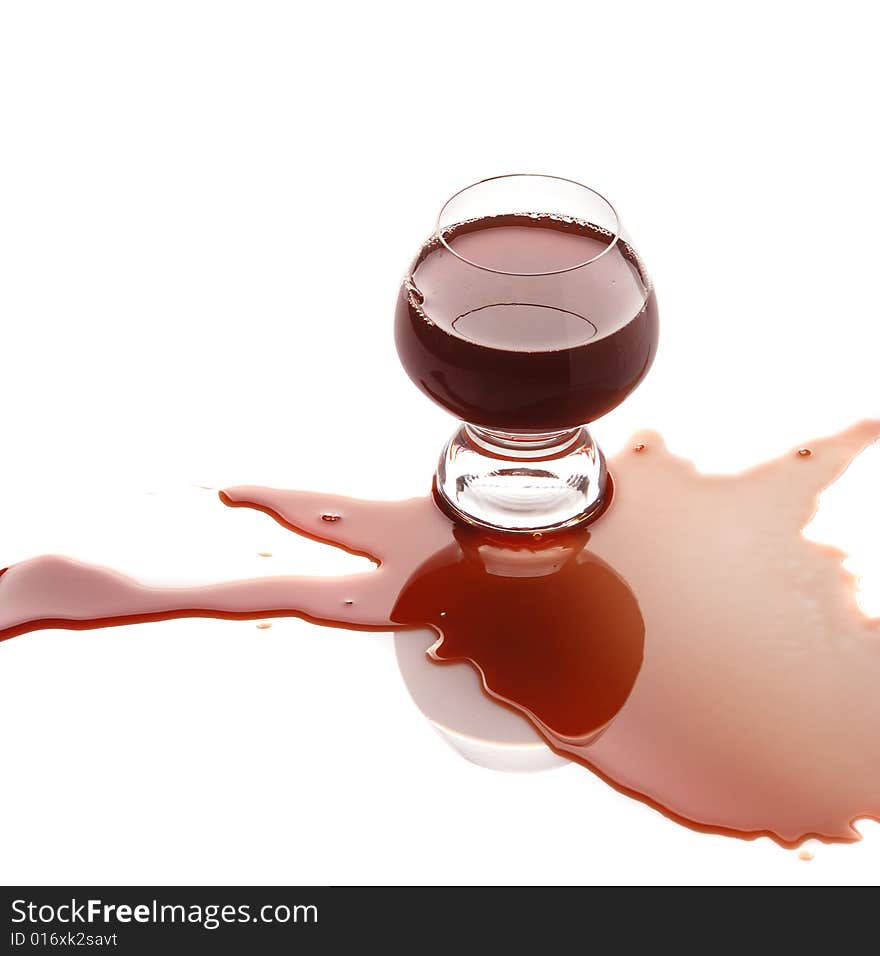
(555, 346)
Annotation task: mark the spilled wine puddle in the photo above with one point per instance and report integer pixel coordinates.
(691, 646)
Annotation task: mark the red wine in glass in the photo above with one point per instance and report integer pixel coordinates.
(528, 315)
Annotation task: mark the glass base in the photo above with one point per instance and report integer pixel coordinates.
(522, 482)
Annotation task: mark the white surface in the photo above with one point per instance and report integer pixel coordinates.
(451, 697)
(204, 213)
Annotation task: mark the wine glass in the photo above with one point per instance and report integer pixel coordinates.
(527, 314)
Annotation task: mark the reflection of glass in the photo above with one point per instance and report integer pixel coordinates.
(554, 631)
(526, 314)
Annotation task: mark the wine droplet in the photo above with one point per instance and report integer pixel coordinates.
(263, 625)
(264, 554)
(805, 855)
(348, 602)
(640, 447)
(330, 517)
(804, 452)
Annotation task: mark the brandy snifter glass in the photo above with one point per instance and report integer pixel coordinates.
(527, 314)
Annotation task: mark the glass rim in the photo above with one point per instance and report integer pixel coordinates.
(615, 235)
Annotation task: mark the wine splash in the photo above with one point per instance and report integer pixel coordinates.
(690, 646)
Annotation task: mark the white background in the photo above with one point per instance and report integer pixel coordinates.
(205, 210)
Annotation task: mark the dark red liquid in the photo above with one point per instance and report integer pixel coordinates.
(527, 352)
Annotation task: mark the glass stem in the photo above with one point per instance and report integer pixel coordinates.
(522, 481)
(528, 446)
